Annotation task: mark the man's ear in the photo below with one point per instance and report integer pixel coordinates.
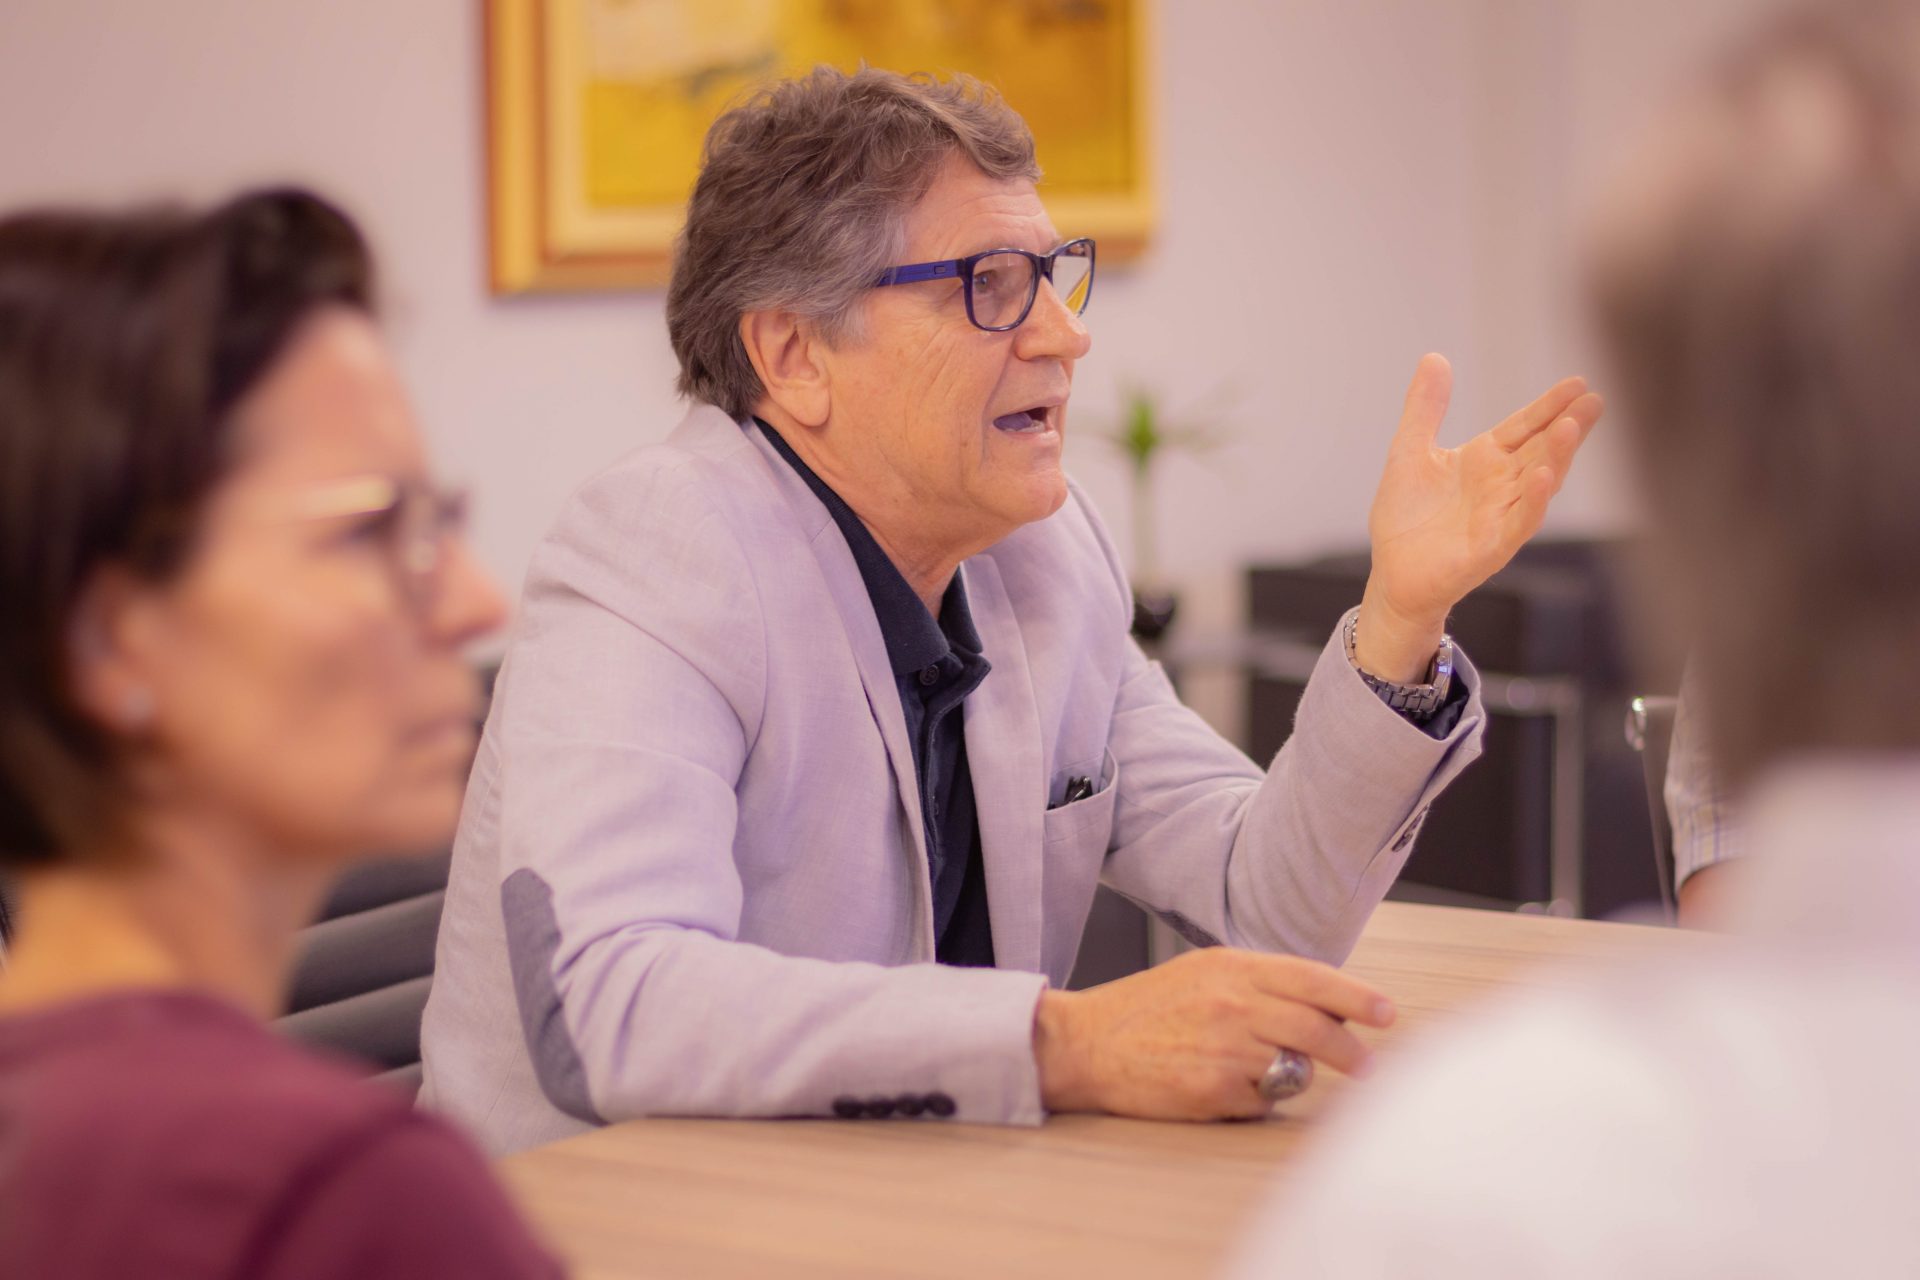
(789, 357)
(108, 654)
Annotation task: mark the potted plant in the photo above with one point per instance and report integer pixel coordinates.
(1143, 438)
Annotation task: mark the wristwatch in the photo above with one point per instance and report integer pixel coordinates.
(1414, 701)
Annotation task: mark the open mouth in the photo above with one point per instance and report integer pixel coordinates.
(1024, 422)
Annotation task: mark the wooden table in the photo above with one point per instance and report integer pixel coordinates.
(1081, 1195)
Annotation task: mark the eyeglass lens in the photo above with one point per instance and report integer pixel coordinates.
(428, 520)
(1003, 285)
(1073, 275)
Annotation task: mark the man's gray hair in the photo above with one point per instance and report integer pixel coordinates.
(801, 201)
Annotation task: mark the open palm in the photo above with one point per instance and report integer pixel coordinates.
(1445, 520)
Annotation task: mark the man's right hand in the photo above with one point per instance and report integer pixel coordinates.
(1190, 1039)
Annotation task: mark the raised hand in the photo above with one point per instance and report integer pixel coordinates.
(1446, 520)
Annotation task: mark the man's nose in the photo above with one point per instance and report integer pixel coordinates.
(1051, 329)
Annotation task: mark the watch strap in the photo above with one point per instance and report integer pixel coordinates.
(1415, 701)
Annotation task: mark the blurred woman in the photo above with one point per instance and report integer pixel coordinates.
(233, 607)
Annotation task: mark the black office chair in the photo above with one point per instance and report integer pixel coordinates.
(361, 978)
(1650, 732)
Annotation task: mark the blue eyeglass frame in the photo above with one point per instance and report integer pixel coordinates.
(962, 269)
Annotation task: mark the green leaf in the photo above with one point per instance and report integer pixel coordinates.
(1142, 437)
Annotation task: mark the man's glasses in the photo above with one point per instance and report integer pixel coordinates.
(1001, 284)
(413, 524)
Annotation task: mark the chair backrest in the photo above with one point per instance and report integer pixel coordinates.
(363, 969)
(1650, 732)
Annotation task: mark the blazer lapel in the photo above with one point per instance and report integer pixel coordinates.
(855, 607)
(1009, 782)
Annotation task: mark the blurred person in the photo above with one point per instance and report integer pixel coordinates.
(1752, 1112)
(822, 722)
(230, 666)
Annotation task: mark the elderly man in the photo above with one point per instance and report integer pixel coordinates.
(822, 721)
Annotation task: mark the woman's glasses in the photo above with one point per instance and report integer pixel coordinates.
(413, 523)
(1001, 284)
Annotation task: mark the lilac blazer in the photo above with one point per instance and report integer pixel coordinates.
(690, 877)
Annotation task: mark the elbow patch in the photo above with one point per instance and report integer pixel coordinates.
(533, 935)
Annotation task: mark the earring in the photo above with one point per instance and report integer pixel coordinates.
(136, 709)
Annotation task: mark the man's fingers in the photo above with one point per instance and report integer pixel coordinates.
(1426, 405)
(1586, 412)
(1286, 1025)
(1323, 987)
(1555, 448)
(1559, 399)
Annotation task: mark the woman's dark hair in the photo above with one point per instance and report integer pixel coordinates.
(126, 341)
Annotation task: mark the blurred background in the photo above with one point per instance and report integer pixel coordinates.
(1340, 185)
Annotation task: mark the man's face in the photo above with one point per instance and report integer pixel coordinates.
(931, 416)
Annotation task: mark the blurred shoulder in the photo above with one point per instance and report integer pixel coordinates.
(1564, 1130)
(1479, 1152)
(404, 1199)
(176, 1116)
(199, 1058)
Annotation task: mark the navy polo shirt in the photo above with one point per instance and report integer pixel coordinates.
(936, 664)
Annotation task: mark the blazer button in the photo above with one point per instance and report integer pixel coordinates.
(879, 1108)
(849, 1108)
(939, 1104)
(929, 676)
(910, 1104)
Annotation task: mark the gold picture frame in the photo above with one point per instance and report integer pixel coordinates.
(596, 110)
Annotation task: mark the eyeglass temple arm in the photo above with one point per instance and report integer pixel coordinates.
(359, 496)
(921, 271)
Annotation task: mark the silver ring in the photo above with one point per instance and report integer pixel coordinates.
(1289, 1074)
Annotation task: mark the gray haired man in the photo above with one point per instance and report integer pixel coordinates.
(823, 723)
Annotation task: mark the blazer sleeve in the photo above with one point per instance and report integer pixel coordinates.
(632, 698)
(1293, 859)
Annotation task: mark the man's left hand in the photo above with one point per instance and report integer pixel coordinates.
(1446, 520)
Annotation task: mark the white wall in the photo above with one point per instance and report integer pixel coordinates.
(1345, 184)
(1568, 89)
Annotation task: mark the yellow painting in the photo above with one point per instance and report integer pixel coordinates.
(598, 109)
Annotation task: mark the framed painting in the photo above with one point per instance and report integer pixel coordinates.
(597, 110)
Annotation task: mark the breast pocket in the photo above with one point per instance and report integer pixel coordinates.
(1074, 842)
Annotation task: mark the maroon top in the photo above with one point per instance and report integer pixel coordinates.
(167, 1135)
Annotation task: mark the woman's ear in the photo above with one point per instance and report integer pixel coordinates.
(788, 356)
(106, 649)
